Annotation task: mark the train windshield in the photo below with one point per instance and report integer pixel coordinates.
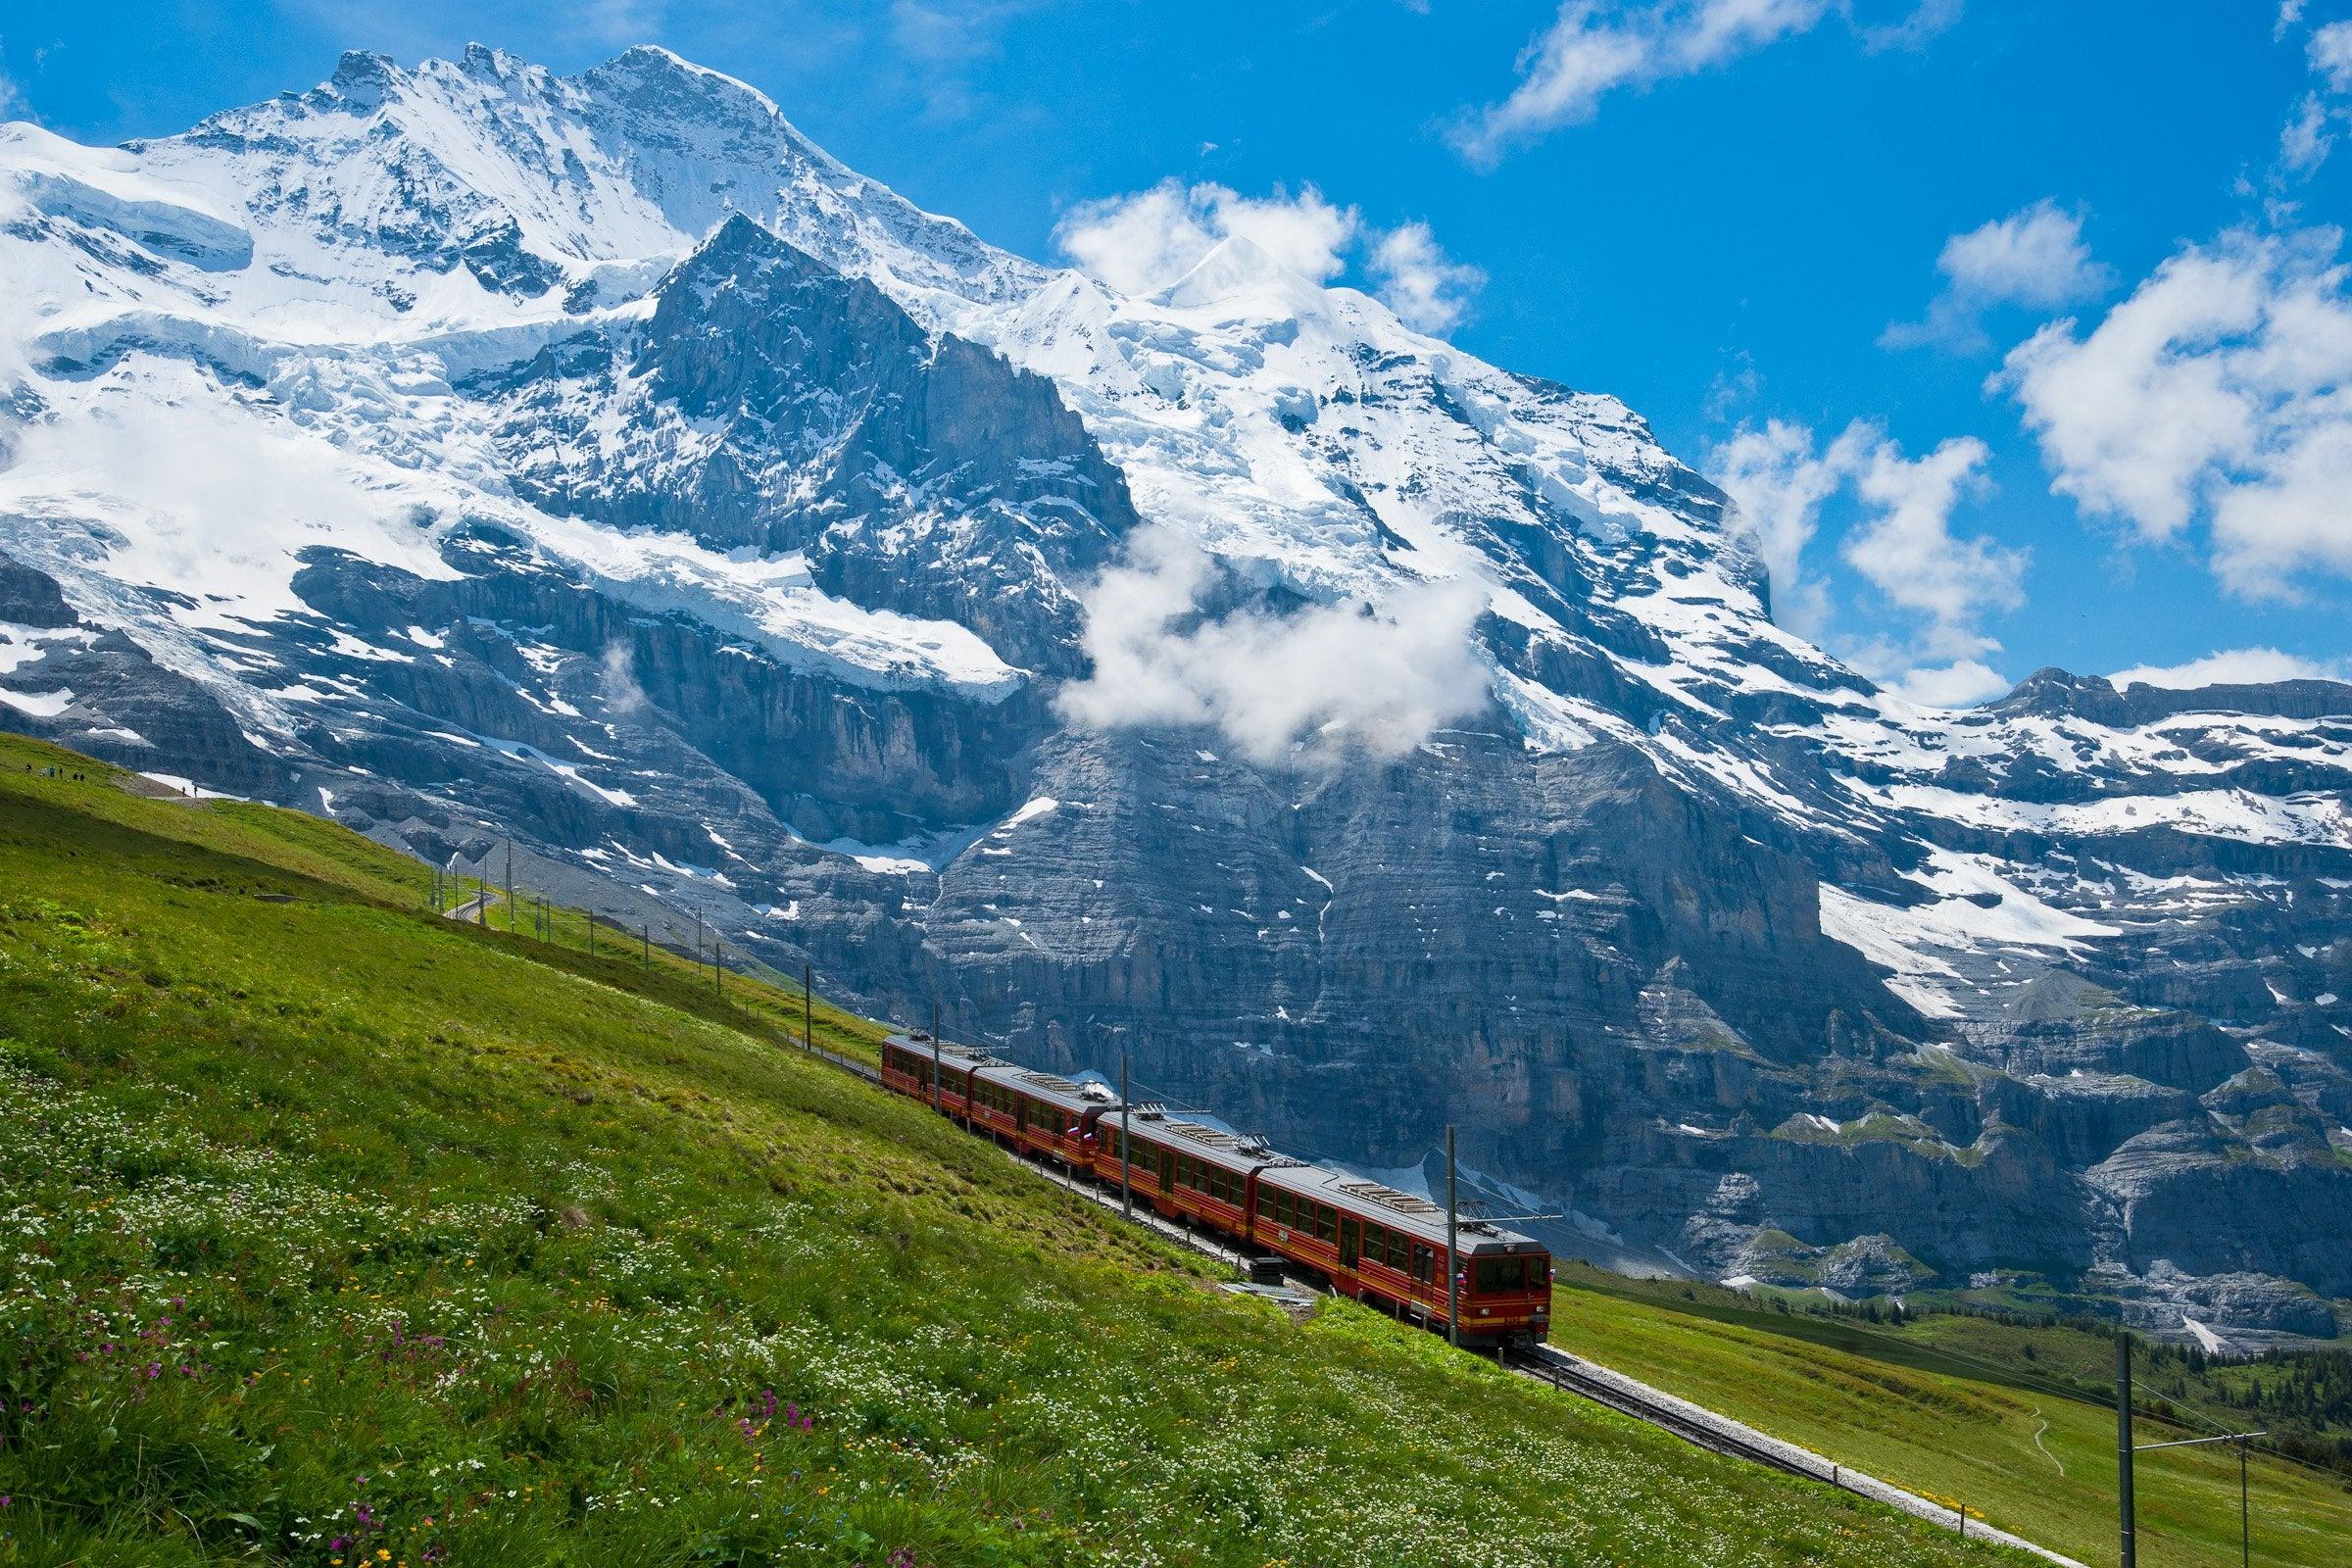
(1510, 1273)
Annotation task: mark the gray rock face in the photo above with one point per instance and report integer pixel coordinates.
(30, 598)
(718, 531)
(769, 403)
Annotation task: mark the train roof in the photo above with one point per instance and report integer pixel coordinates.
(1053, 1090)
(1409, 1212)
(1060, 1093)
(920, 1043)
(1151, 1122)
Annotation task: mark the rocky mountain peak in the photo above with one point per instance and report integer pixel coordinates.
(738, 539)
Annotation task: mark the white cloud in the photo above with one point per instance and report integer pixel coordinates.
(2332, 54)
(2231, 666)
(1778, 483)
(2305, 143)
(1148, 239)
(928, 30)
(1427, 289)
(1962, 683)
(1907, 549)
(617, 678)
(623, 22)
(1928, 19)
(1303, 689)
(12, 97)
(2220, 392)
(2307, 138)
(1902, 545)
(2035, 257)
(1595, 47)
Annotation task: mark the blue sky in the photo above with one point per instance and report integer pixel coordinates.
(2017, 328)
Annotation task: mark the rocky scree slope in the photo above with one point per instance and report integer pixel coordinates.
(468, 452)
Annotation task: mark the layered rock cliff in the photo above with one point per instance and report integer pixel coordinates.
(1363, 736)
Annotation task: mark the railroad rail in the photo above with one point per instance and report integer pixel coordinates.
(1694, 1424)
(1703, 1428)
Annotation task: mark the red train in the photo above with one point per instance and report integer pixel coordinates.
(1370, 1241)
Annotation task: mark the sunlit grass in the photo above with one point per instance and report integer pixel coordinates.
(331, 1232)
(1904, 1407)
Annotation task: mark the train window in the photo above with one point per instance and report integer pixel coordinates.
(1424, 1262)
(1500, 1273)
(1327, 1223)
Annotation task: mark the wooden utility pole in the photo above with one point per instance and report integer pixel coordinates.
(807, 1013)
(647, 934)
(592, 932)
(719, 953)
(1126, 1189)
(1453, 1262)
(510, 887)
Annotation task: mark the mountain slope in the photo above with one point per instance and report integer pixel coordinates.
(1365, 736)
(338, 1229)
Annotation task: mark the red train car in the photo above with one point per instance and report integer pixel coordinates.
(1369, 1240)
(1035, 1113)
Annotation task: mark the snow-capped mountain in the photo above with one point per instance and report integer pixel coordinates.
(1364, 734)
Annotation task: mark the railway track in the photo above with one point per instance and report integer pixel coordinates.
(1720, 1434)
(1565, 1373)
(1570, 1374)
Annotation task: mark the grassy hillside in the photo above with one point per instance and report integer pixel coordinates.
(1959, 1408)
(334, 1233)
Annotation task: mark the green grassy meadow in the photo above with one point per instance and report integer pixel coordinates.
(332, 1233)
(1933, 1407)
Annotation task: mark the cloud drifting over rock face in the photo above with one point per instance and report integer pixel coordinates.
(1902, 544)
(2231, 666)
(1778, 483)
(1427, 291)
(1308, 689)
(1145, 240)
(2220, 393)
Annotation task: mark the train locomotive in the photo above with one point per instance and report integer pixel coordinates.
(1364, 1239)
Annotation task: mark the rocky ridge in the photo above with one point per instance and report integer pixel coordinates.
(470, 452)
